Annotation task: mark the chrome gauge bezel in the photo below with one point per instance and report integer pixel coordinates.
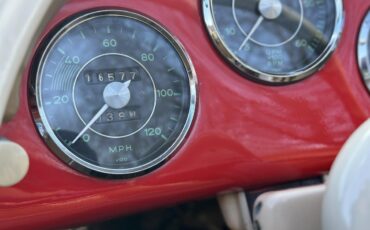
(363, 55)
(43, 126)
(257, 75)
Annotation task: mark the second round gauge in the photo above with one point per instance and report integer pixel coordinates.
(275, 41)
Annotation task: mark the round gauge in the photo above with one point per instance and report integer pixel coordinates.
(114, 93)
(274, 41)
(363, 50)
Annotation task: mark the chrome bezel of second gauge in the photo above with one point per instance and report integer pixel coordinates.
(363, 50)
(275, 79)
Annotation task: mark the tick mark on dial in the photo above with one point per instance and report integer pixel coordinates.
(156, 48)
(82, 35)
(164, 137)
(165, 57)
(60, 50)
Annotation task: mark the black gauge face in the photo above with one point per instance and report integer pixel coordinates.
(115, 93)
(274, 40)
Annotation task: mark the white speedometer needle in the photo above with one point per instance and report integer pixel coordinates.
(116, 95)
(255, 27)
(269, 9)
(92, 121)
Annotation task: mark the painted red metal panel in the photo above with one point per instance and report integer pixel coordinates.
(245, 135)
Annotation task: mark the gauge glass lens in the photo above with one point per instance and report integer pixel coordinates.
(286, 38)
(363, 50)
(115, 93)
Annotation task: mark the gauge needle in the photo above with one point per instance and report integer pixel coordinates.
(116, 95)
(255, 27)
(269, 9)
(92, 121)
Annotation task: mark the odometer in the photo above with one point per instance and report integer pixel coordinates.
(276, 41)
(114, 93)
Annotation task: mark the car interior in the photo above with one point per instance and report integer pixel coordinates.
(191, 114)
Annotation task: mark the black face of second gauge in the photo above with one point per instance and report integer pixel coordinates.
(114, 92)
(276, 37)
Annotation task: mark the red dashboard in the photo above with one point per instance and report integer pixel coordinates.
(245, 134)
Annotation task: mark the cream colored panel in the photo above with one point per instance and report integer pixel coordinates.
(14, 163)
(292, 209)
(20, 24)
(235, 210)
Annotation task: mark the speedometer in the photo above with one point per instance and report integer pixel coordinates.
(275, 41)
(114, 94)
